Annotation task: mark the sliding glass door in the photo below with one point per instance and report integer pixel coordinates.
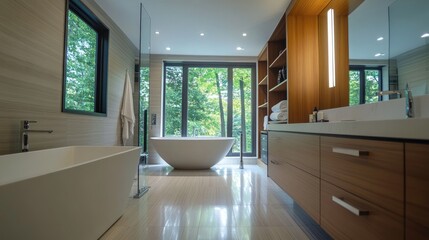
(215, 100)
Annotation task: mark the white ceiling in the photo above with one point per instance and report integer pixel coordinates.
(180, 23)
(223, 22)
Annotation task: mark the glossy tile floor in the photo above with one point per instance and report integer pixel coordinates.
(224, 202)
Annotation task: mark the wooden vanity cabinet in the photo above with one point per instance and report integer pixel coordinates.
(371, 169)
(362, 188)
(294, 164)
(417, 191)
(355, 188)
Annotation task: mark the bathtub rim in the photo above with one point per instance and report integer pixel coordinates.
(16, 180)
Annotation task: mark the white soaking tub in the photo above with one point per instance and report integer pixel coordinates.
(65, 193)
(191, 153)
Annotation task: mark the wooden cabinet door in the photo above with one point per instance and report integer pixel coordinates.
(417, 191)
(285, 151)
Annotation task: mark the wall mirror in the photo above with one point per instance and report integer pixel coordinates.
(409, 46)
(386, 35)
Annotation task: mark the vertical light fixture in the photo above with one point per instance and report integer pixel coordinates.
(331, 48)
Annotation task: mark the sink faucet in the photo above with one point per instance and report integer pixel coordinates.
(409, 110)
(382, 93)
(25, 146)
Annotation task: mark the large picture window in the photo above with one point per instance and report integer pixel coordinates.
(85, 63)
(211, 99)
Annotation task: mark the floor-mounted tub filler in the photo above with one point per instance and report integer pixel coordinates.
(65, 193)
(192, 152)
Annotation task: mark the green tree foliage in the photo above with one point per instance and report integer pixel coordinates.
(372, 83)
(173, 101)
(371, 86)
(203, 100)
(144, 101)
(81, 65)
(354, 86)
(243, 74)
(207, 95)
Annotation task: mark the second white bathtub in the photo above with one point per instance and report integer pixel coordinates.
(65, 193)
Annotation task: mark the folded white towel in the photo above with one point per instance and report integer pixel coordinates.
(280, 106)
(265, 122)
(278, 116)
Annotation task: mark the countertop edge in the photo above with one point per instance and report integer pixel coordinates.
(412, 129)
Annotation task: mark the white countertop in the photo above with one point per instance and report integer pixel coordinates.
(413, 128)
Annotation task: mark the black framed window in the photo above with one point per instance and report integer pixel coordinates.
(85, 61)
(211, 99)
(364, 84)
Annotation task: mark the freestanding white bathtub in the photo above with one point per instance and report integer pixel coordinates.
(192, 153)
(64, 193)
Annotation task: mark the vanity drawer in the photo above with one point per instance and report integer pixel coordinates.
(303, 187)
(299, 150)
(341, 223)
(370, 169)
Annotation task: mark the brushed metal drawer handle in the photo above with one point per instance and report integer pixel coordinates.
(349, 151)
(356, 211)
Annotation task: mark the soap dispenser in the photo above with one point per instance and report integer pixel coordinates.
(315, 114)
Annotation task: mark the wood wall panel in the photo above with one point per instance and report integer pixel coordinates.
(339, 95)
(303, 64)
(31, 76)
(307, 7)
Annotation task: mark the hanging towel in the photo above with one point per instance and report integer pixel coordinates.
(127, 111)
(280, 106)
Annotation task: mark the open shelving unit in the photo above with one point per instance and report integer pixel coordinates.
(303, 57)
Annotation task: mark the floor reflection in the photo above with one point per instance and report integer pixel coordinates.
(224, 202)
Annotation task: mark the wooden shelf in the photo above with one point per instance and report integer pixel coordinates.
(265, 105)
(281, 87)
(263, 81)
(280, 61)
(277, 122)
(263, 54)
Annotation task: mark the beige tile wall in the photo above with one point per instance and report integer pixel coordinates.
(156, 90)
(31, 76)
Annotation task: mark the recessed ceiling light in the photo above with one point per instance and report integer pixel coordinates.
(244, 34)
(425, 35)
(157, 33)
(379, 55)
(380, 38)
(202, 34)
(240, 49)
(168, 48)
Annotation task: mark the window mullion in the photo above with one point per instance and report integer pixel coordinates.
(185, 101)
(230, 99)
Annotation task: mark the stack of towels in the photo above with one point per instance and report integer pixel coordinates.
(279, 111)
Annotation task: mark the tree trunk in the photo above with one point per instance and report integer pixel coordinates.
(222, 117)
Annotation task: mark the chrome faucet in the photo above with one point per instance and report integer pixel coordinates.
(409, 110)
(25, 146)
